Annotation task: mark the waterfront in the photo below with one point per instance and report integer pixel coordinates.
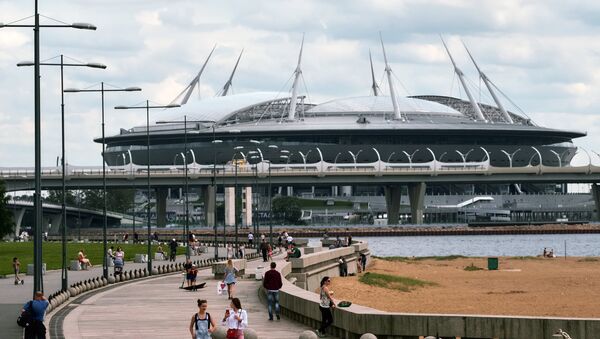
(580, 245)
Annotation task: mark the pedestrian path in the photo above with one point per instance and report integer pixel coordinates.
(158, 308)
(13, 297)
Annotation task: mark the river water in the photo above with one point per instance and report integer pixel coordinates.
(482, 245)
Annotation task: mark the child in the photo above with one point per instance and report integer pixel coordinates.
(17, 268)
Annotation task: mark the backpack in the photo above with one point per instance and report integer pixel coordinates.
(196, 319)
(26, 317)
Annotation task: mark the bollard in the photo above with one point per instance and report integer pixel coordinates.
(308, 335)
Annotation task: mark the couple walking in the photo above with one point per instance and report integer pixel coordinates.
(235, 319)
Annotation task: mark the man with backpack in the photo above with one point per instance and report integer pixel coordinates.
(32, 317)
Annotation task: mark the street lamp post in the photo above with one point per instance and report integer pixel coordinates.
(104, 217)
(37, 200)
(185, 150)
(62, 64)
(147, 107)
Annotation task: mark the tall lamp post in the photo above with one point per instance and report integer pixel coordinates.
(37, 200)
(104, 217)
(148, 107)
(62, 64)
(185, 151)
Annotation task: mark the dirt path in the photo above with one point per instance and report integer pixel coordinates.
(533, 287)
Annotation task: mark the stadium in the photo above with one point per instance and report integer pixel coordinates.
(271, 127)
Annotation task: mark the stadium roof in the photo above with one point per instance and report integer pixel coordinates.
(382, 104)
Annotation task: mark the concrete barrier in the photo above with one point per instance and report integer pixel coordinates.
(310, 268)
(30, 269)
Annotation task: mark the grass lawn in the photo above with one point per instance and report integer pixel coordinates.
(394, 282)
(52, 253)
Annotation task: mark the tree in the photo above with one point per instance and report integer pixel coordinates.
(55, 197)
(287, 209)
(7, 224)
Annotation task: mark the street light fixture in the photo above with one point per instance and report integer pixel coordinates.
(185, 150)
(147, 107)
(102, 90)
(64, 272)
(37, 200)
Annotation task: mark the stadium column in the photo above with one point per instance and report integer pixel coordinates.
(208, 192)
(595, 188)
(347, 191)
(392, 200)
(161, 207)
(416, 197)
(248, 206)
(229, 206)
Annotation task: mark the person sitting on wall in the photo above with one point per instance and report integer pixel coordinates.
(83, 260)
(294, 252)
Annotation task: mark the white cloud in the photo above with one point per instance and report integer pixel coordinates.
(543, 54)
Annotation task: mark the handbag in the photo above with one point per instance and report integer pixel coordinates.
(232, 333)
(25, 319)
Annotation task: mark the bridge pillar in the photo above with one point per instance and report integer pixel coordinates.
(229, 206)
(347, 192)
(416, 196)
(18, 219)
(595, 188)
(392, 200)
(55, 223)
(161, 207)
(290, 191)
(208, 192)
(248, 207)
(334, 191)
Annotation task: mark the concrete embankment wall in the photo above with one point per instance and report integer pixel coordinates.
(299, 302)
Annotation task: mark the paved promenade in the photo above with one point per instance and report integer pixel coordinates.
(157, 308)
(12, 297)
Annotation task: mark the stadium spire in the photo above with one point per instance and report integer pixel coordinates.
(486, 81)
(297, 75)
(388, 71)
(228, 83)
(376, 90)
(187, 92)
(461, 77)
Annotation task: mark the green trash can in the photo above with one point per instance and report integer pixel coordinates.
(492, 264)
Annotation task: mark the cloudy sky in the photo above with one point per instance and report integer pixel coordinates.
(545, 55)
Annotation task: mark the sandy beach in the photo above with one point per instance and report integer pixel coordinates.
(556, 287)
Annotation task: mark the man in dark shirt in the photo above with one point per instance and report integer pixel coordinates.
(264, 249)
(173, 248)
(188, 271)
(272, 283)
(38, 307)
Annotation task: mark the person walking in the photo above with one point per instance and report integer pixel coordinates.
(229, 278)
(272, 283)
(17, 268)
(202, 325)
(188, 271)
(264, 250)
(250, 239)
(235, 319)
(326, 305)
(37, 307)
(229, 251)
(173, 249)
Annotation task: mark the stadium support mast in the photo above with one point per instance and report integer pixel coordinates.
(228, 83)
(461, 76)
(297, 74)
(388, 71)
(489, 87)
(374, 86)
(195, 82)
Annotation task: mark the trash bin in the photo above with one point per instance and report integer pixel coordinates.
(260, 270)
(492, 264)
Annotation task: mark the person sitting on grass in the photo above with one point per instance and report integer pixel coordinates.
(160, 251)
(83, 260)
